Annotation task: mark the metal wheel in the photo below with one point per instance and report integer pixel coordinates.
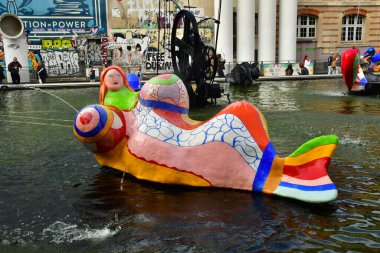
(185, 49)
(210, 64)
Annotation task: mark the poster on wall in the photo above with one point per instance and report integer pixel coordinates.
(52, 19)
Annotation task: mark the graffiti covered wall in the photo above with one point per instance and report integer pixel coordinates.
(143, 13)
(70, 57)
(61, 63)
(55, 19)
(136, 22)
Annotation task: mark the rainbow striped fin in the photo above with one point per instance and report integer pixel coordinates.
(305, 172)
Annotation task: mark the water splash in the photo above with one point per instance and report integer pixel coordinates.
(60, 232)
(51, 94)
(347, 139)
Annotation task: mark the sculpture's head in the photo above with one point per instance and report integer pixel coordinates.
(113, 78)
(115, 89)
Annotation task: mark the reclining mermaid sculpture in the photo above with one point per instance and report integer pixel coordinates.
(150, 136)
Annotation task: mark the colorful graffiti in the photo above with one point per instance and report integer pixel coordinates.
(56, 44)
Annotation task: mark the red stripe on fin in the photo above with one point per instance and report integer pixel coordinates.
(309, 171)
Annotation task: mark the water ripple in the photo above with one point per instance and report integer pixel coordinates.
(54, 197)
(355, 240)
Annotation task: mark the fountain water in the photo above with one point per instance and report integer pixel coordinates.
(51, 94)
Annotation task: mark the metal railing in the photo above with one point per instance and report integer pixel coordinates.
(320, 67)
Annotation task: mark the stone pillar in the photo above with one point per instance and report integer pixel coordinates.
(287, 31)
(267, 31)
(245, 48)
(225, 38)
(15, 44)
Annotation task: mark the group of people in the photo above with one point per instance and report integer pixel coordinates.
(14, 68)
(304, 67)
(333, 63)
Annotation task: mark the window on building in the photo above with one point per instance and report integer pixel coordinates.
(306, 27)
(352, 28)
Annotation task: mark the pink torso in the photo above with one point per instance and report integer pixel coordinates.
(216, 162)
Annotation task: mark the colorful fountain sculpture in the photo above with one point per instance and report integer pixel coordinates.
(150, 136)
(358, 81)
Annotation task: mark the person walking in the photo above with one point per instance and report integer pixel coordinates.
(14, 68)
(41, 71)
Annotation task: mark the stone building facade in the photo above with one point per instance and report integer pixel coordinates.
(333, 26)
(269, 31)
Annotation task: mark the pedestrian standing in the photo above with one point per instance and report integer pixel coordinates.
(221, 65)
(330, 69)
(306, 63)
(14, 68)
(1, 74)
(338, 68)
(41, 71)
(91, 73)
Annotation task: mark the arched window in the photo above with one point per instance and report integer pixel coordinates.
(352, 28)
(306, 27)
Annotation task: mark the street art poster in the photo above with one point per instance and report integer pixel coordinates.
(153, 54)
(53, 19)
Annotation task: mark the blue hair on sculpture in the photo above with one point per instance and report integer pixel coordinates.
(369, 52)
(134, 81)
